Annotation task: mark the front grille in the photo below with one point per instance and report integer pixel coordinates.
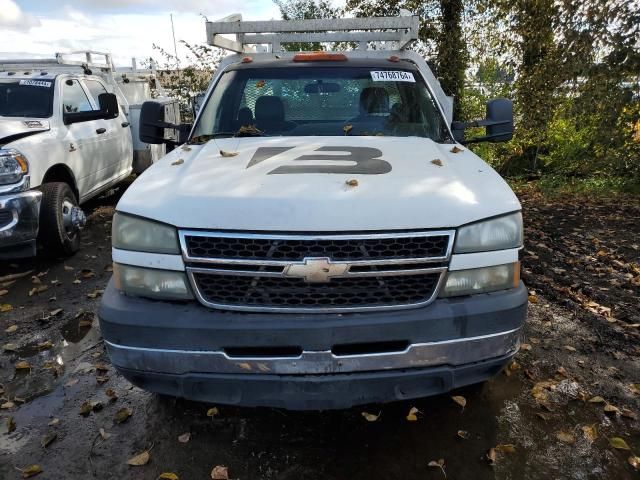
(315, 273)
(295, 293)
(292, 249)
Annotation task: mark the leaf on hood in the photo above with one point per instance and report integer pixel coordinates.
(140, 459)
(6, 307)
(460, 400)
(185, 437)
(370, 417)
(168, 476)
(590, 432)
(456, 149)
(347, 129)
(23, 365)
(220, 472)
(224, 153)
(30, 471)
(437, 162)
(352, 182)
(212, 412)
(123, 415)
(180, 161)
(566, 437)
(618, 443)
(48, 438)
(412, 416)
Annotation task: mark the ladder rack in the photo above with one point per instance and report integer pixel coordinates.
(62, 61)
(401, 30)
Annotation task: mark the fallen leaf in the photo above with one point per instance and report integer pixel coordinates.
(347, 129)
(437, 162)
(36, 280)
(87, 273)
(5, 307)
(185, 437)
(55, 312)
(597, 399)
(37, 290)
(412, 415)
(3, 292)
(85, 408)
(77, 282)
(533, 299)
(463, 434)
(10, 425)
(123, 415)
(45, 345)
(102, 379)
(224, 153)
(525, 346)
(625, 412)
(505, 448)
(30, 471)
(140, 459)
(543, 416)
(352, 183)
(104, 434)
(111, 393)
(492, 455)
(95, 294)
(71, 382)
(634, 462)
(168, 476)
(438, 464)
(7, 405)
(590, 432)
(47, 439)
(618, 443)
(566, 437)
(456, 149)
(68, 268)
(96, 406)
(54, 422)
(569, 348)
(10, 347)
(611, 408)
(178, 162)
(460, 400)
(370, 417)
(212, 412)
(23, 365)
(220, 473)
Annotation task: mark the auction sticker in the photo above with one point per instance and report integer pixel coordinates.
(392, 76)
(36, 83)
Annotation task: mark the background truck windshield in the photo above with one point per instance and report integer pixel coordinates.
(322, 101)
(26, 98)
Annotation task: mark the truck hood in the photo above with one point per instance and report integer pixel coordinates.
(12, 129)
(286, 187)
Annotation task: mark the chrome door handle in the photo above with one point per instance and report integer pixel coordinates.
(125, 124)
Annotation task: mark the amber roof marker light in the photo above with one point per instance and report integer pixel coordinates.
(319, 57)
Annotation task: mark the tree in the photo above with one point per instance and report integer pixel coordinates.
(305, 10)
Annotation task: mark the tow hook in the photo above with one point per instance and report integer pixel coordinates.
(78, 218)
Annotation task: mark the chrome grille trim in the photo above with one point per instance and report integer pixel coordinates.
(255, 267)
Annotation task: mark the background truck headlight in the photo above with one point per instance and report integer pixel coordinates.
(139, 234)
(151, 283)
(481, 280)
(13, 166)
(496, 234)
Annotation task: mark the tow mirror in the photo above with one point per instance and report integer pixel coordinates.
(109, 109)
(498, 123)
(160, 122)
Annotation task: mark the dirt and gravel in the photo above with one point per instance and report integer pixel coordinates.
(566, 408)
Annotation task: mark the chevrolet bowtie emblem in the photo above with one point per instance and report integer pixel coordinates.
(316, 270)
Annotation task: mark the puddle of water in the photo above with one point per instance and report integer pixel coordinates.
(75, 329)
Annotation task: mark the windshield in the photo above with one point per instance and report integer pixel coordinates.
(321, 101)
(26, 98)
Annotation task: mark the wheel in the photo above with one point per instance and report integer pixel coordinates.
(61, 220)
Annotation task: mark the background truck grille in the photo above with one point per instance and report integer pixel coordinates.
(294, 292)
(268, 272)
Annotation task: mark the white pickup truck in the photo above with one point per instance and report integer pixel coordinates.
(65, 136)
(323, 239)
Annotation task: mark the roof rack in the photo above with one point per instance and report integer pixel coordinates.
(401, 30)
(61, 61)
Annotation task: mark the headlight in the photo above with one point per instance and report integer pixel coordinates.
(13, 166)
(481, 280)
(151, 283)
(495, 234)
(133, 233)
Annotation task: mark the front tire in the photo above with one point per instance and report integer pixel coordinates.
(58, 234)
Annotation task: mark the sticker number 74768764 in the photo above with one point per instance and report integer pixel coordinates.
(365, 161)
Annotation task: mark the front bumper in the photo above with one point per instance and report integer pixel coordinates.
(335, 360)
(19, 214)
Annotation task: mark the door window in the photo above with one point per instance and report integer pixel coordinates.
(95, 88)
(73, 98)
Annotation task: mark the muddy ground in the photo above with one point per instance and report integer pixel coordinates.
(570, 397)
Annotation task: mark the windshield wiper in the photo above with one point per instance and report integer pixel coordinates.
(244, 131)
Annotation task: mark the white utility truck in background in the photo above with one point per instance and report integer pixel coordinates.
(323, 238)
(68, 132)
